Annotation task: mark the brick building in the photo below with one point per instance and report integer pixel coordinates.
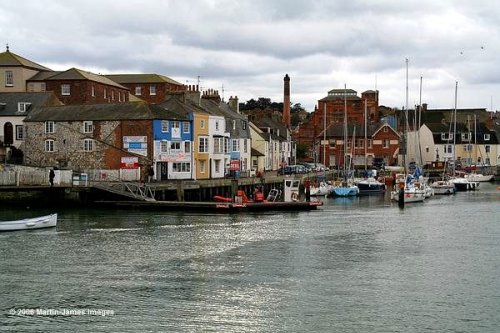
(76, 86)
(152, 88)
(331, 110)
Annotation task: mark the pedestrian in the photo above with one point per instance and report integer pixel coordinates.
(151, 173)
(51, 177)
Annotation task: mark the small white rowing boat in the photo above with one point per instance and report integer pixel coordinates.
(30, 223)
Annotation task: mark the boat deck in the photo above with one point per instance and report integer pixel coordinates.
(216, 206)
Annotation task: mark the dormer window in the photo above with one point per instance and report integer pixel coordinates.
(466, 136)
(23, 106)
(487, 137)
(445, 136)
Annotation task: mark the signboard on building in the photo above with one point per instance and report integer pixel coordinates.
(234, 165)
(136, 144)
(129, 163)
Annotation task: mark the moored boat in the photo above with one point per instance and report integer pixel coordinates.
(370, 186)
(46, 221)
(443, 187)
(463, 184)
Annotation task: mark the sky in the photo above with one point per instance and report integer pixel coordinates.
(244, 48)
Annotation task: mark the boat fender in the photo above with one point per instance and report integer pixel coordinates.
(294, 196)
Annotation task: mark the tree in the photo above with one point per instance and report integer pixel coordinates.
(301, 151)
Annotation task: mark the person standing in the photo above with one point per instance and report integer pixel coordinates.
(151, 173)
(51, 177)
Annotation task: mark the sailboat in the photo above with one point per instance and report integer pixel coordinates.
(369, 185)
(458, 179)
(413, 189)
(346, 188)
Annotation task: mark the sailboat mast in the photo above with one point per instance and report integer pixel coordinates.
(366, 128)
(324, 134)
(345, 126)
(455, 127)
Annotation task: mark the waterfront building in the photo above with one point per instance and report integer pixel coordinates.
(152, 88)
(381, 142)
(16, 70)
(76, 86)
(93, 137)
(331, 110)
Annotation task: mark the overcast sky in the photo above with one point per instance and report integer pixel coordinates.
(247, 47)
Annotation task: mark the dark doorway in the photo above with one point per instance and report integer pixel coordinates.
(8, 134)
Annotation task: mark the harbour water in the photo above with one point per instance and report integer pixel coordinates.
(355, 265)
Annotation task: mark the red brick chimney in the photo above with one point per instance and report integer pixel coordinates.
(286, 102)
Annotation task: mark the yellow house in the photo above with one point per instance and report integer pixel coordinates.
(201, 145)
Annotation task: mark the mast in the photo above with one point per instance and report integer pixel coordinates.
(366, 128)
(324, 134)
(407, 125)
(455, 127)
(345, 127)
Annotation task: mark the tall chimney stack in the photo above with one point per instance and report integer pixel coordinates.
(286, 102)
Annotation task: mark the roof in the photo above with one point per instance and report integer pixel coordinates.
(9, 102)
(10, 59)
(341, 94)
(110, 112)
(141, 78)
(42, 76)
(78, 74)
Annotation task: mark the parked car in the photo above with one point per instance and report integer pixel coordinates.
(292, 169)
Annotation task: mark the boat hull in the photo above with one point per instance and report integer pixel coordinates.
(371, 188)
(47, 221)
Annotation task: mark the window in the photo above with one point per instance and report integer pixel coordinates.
(31, 87)
(217, 165)
(226, 145)
(164, 126)
(466, 136)
(164, 146)
(19, 132)
(187, 146)
(216, 125)
(234, 124)
(487, 149)
(202, 166)
(88, 145)
(386, 143)
(22, 106)
(185, 127)
(236, 145)
(49, 145)
(385, 129)
(105, 94)
(119, 96)
(138, 90)
(203, 145)
(181, 167)
(9, 79)
(245, 146)
(218, 145)
(93, 91)
(175, 146)
(112, 95)
(65, 89)
(152, 90)
(88, 127)
(49, 127)
(244, 124)
(202, 123)
(370, 143)
(175, 124)
(486, 137)
(448, 149)
(42, 86)
(445, 136)
(467, 147)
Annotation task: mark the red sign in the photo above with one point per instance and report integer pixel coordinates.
(235, 165)
(129, 163)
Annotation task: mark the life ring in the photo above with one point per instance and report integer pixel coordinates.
(294, 196)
